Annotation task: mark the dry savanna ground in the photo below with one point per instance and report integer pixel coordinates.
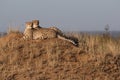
(97, 57)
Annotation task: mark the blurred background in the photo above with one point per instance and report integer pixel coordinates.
(68, 15)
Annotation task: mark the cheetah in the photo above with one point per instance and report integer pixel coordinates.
(37, 26)
(46, 33)
(33, 32)
(28, 33)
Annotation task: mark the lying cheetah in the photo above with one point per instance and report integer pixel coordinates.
(36, 26)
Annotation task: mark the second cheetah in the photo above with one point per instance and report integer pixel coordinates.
(46, 33)
(37, 26)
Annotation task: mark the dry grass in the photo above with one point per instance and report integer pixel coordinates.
(13, 30)
(96, 58)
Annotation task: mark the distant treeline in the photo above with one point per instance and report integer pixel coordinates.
(2, 34)
(111, 33)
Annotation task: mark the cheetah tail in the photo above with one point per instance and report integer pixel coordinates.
(69, 40)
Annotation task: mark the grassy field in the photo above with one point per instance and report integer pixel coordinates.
(97, 57)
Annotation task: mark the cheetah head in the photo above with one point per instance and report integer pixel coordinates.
(35, 23)
(29, 25)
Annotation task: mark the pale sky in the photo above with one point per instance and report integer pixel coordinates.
(73, 15)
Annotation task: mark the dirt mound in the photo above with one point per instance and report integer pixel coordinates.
(10, 38)
(52, 59)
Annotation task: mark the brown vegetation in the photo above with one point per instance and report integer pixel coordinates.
(96, 58)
